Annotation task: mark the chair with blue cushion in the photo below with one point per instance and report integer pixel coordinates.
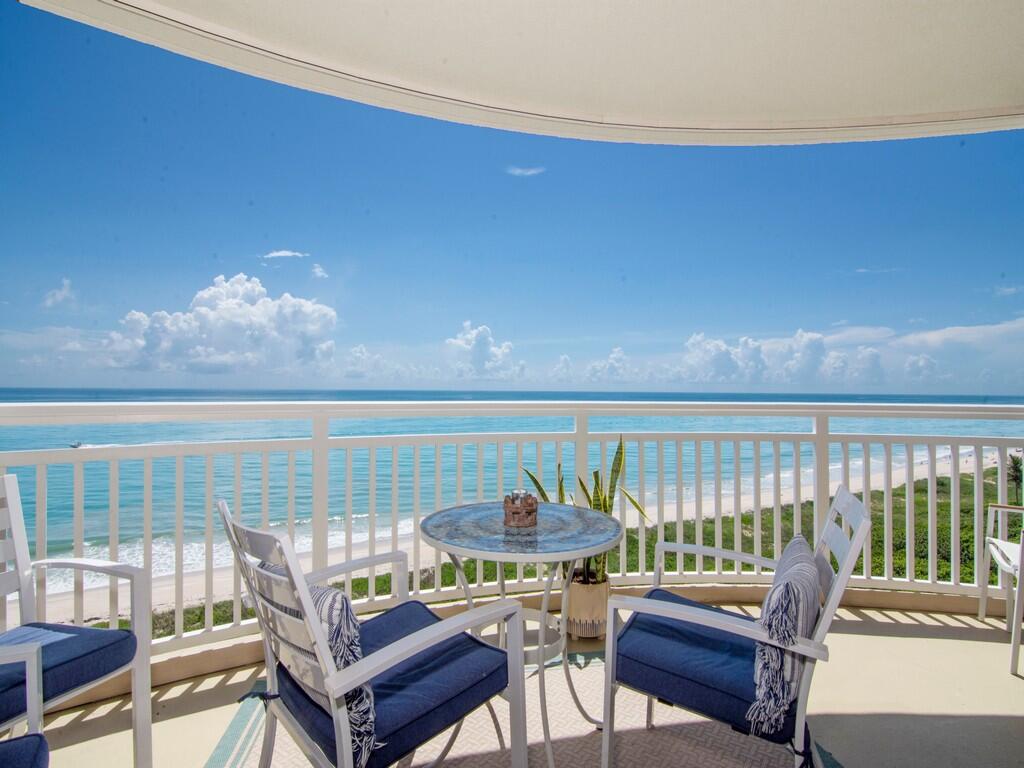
(426, 674)
(702, 658)
(63, 660)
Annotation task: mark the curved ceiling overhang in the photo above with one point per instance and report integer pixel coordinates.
(712, 72)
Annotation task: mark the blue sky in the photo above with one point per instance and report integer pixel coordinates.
(425, 253)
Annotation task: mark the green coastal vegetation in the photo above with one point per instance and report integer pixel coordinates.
(194, 616)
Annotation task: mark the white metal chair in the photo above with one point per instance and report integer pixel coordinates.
(59, 661)
(1009, 559)
(426, 674)
(679, 633)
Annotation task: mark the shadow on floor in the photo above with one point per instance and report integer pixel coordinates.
(169, 701)
(941, 626)
(936, 741)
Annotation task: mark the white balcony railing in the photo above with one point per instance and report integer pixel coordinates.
(701, 467)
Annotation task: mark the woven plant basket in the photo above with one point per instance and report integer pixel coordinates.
(588, 609)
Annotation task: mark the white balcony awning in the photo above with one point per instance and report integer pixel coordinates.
(657, 71)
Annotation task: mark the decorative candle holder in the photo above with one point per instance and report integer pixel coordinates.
(520, 510)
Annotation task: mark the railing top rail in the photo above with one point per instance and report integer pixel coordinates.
(13, 414)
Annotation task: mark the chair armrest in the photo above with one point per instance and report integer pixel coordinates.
(31, 655)
(398, 557)
(109, 567)
(732, 624)
(138, 580)
(996, 511)
(367, 668)
(664, 547)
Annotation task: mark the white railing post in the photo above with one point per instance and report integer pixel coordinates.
(822, 482)
(581, 460)
(321, 448)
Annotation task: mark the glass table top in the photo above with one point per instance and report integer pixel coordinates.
(561, 529)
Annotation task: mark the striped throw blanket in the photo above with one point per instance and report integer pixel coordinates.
(790, 610)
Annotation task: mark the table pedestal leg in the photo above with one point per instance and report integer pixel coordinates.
(565, 642)
(541, 638)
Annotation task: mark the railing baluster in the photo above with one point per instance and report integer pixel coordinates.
(78, 483)
(887, 500)
(641, 525)
(208, 515)
(623, 506)
(798, 481)
(236, 585)
(737, 506)
(113, 536)
(437, 506)
(350, 492)
(846, 478)
(40, 553)
(954, 513)
(680, 498)
(394, 515)
(179, 545)
(416, 457)
(777, 493)
(1002, 531)
(757, 502)
(660, 444)
(698, 500)
(371, 522)
(908, 493)
(866, 498)
(291, 495)
(265, 489)
(933, 517)
(718, 503)
(538, 451)
(979, 514)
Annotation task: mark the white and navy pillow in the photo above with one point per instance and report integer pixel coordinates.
(341, 626)
(790, 610)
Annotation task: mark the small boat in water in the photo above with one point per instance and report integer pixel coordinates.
(76, 444)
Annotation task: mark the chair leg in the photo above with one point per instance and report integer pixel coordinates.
(269, 731)
(516, 693)
(650, 713)
(1010, 608)
(1018, 617)
(983, 583)
(142, 708)
(608, 721)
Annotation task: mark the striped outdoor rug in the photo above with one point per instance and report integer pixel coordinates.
(680, 739)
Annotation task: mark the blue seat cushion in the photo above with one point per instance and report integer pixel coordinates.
(415, 700)
(72, 657)
(26, 752)
(705, 670)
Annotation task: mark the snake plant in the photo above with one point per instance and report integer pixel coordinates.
(599, 497)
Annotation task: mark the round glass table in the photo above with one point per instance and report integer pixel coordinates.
(563, 534)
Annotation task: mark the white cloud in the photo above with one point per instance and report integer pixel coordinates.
(515, 170)
(319, 272)
(615, 367)
(982, 336)
(877, 270)
(59, 295)
(1006, 290)
(707, 360)
(284, 254)
(562, 371)
(478, 355)
(230, 326)
(920, 367)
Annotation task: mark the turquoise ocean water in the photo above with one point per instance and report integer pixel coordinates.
(96, 497)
